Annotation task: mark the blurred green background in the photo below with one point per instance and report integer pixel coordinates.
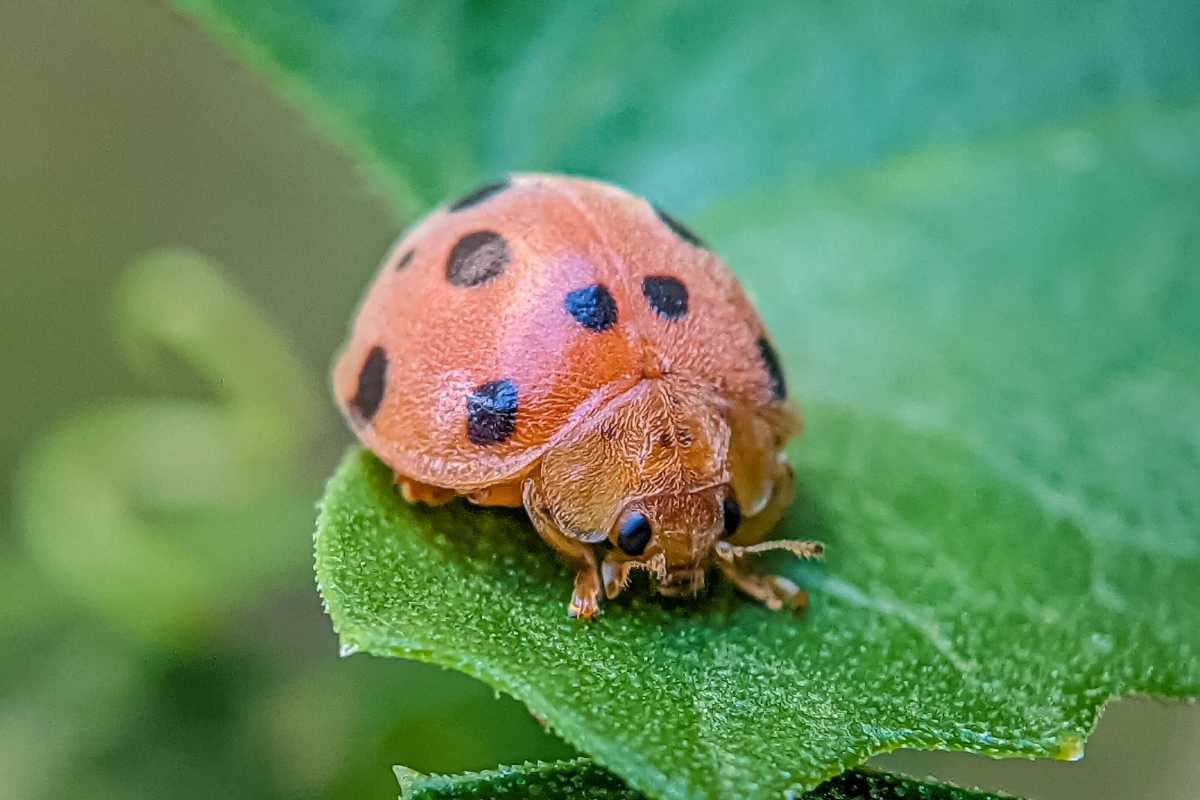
(125, 131)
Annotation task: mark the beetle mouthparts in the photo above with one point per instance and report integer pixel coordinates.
(681, 582)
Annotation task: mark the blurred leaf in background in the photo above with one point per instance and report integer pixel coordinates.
(165, 515)
(692, 103)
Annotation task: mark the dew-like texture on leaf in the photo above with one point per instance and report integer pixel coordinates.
(972, 231)
(581, 779)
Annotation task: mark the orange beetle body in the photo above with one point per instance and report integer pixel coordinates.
(560, 344)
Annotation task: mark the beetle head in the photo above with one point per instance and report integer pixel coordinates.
(671, 536)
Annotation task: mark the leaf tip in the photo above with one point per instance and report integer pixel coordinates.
(1068, 748)
(407, 778)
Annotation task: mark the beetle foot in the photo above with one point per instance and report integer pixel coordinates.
(616, 577)
(774, 591)
(789, 594)
(585, 601)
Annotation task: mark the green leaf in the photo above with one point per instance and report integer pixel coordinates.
(580, 779)
(972, 232)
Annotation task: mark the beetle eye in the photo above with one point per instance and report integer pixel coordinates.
(733, 515)
(634, 535)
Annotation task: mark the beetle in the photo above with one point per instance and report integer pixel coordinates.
(563, 345)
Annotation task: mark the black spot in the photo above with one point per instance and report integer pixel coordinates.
(372, 380)
(492, 412)
(634, 535)
(405, 260)
(680, 229)
(666, 295)
(479, 195)
(774, 371)
(593, 307)
(732, 512)
(477, 258)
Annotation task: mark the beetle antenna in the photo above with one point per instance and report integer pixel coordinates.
(797, 547)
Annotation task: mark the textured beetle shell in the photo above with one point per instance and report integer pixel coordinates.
(442, 340)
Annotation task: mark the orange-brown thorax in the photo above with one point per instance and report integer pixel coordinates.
(660, 450)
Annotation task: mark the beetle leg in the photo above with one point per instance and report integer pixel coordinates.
(499, 494)
(417, 492)
(774, 591)
(616, 576)
(585, 600)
